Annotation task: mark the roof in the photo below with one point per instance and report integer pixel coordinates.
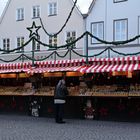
(77, 8)
(91, 6)
(4, 11)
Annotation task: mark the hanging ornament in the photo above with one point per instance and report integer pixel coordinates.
(33, 30)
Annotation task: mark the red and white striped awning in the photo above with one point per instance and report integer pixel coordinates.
(96, 65)
(57, 66)
(113, 65)
(14, 67)
(41, 67)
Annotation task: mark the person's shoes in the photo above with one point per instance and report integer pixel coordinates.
(60, 122)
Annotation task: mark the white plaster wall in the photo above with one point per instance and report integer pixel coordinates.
(107, 11)
(10, 28)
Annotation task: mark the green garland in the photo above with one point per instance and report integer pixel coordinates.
(45, 45)
(62, 56)
(68, 46)
(63, 25)
(13, 50)
(90, 55)
(7, 61)
(114, 42)
(124, 54)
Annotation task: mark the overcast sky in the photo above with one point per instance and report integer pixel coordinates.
(82, 4)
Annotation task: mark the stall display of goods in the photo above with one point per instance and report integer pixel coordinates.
(45, 91)
(78, 90)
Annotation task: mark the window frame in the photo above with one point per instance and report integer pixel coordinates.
(52, 41)
(118, 1)
(114, 29)
(71, 36)
(36, 11)
(19, 14)
(54, 9)
(6, 45)
(21, 40)
(97, 42)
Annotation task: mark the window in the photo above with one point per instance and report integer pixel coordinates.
(97, 29)
(71, 36)
(20, 14)
(20, 42)
(37, 45)
(53, 41)
(115, 1)
(6, 44)
(120, 30)
(52, 9)
(36, 11)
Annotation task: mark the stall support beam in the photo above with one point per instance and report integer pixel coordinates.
(70, 53)
(33, 49)
(108, 53)
(55, 55)
(86, 48)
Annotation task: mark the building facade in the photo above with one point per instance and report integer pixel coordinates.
(18, 15)
(113, 20)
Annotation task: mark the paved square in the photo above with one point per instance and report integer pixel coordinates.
(17, 127)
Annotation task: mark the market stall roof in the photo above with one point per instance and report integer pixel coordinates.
(95, 65)
(15, 67)
(113, 65)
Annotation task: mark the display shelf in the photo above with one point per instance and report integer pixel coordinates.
(108, 91)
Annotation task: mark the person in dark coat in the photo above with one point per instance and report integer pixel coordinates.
(59, 100)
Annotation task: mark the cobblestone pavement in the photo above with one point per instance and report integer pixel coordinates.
(17, 127)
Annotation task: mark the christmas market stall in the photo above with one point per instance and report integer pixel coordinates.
(110, 85)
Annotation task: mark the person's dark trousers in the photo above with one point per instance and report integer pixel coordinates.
(59, 112)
